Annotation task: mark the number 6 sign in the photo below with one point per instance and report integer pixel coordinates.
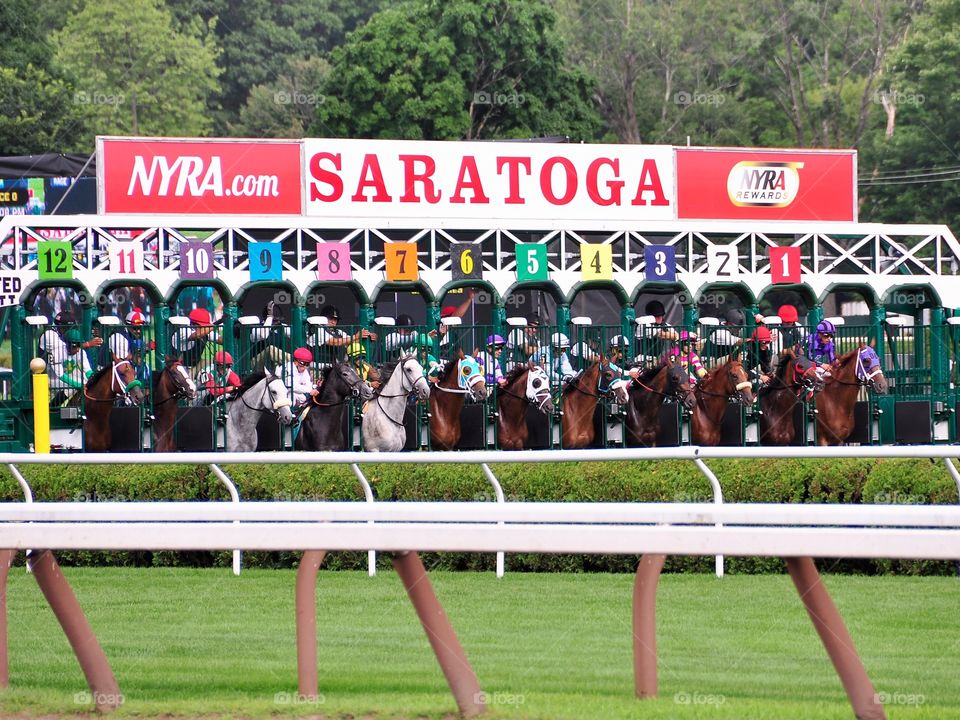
(333, 261)
(465, 261)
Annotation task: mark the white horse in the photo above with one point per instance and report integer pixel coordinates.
(257, 395)
(382, 425)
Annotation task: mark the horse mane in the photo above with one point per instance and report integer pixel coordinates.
(515, 372)
(449, 366)
(648, 374)
(844, 359)
(95, 378)
(386, 373)
(786, 355)
(249, 381)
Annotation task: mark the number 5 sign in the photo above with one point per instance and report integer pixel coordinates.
(333, 261)
(531, 262)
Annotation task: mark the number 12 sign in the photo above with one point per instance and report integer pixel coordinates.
(333, 261)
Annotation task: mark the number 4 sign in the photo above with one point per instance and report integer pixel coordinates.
(126, 258)
(784, 265)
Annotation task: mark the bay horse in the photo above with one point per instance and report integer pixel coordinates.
(835, 403)
(260, 393)
(713, 393)
(579, 402)
(116, 379)
(525, 385)
(171, 384)
(646, 395)
(321, 426)
(459, 378)
(382, 425)
(777, 402)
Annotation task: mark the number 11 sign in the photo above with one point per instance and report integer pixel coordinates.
(126, 258)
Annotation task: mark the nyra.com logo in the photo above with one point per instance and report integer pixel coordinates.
(753, 183)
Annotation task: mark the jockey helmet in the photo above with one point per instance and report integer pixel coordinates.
(199, 316)
(495, 340)
(303, 355)
(448, 311)
(619, 341)
(356, 348)
(135, 317)
(330, 312)
(73, 336)
(655, 308)
(827, 327)
(533, 319)
(223, 358)
(560, 340)
(788, 313)
(734, 316)
(762, 334)
(65, 317)
(686, 336)
(404, 320)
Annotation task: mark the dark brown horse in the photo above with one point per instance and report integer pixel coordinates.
(777, 402)
(836, 402)
(646, 396)
(169, 385)
(526, 385)
(102, 389)
(579, 402)
(460, 377)
(713, 393)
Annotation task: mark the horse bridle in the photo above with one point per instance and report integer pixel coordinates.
(115, 378)
(181, 386)
(739, 387)
(277, 404)
(863, 376)
(461, 391)
(405, 390)
(353, 387)
(540, 397)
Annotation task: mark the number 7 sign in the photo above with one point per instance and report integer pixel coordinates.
(401, 261)
(784, 265)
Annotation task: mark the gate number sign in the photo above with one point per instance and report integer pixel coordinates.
(401, 261)
(660, 262)
(54, 259)
(265, 263)
(196, 260)
(126, 258)
(596, 262)
(531, 262)
(722, 261)
(784, 265)
(333, 261)
(465, 261)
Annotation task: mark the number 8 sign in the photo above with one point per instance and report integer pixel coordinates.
(333, 261)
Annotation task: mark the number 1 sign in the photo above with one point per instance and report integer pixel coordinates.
(333, 261)
(784, 265)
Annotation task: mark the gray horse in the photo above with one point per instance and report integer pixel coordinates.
(382, 425)
(259, 394)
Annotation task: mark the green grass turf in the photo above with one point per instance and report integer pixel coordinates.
(196, 642)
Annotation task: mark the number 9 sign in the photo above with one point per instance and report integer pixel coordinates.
(333, 261)
(465, 261)
(265, 263)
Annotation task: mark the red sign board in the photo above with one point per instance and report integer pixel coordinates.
(149, 175)
(751, 184)
(785, 265)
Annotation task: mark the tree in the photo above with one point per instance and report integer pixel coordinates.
(284, 108)
(137, 72)
(428, 69)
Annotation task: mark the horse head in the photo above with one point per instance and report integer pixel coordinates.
(412, 376)
(538, 389)
(124, 382)
(353, 385)
(183, 384)
(678, 383)
(279, 398)
(869, 371)
(739, 385)
(470, 376)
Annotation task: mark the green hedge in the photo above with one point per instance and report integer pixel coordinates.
(769, 481)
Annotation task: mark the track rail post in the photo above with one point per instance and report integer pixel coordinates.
(645, 625)
(368, 496)
(235, 499)
(6, 560)
(498, 493)
(307, 622)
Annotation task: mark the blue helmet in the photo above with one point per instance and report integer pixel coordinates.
(827, 327)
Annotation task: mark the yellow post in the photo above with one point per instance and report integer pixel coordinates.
(41, 406)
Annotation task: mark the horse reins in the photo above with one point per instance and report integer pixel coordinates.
(403, 379)
(115, 378)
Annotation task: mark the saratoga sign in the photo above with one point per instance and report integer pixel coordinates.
(488, 181)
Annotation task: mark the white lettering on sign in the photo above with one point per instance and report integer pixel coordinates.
(769, 184)
(190, 175)
(399, 178)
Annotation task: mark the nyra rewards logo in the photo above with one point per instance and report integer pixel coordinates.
(753, 183)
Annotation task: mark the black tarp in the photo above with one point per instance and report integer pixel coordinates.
(47, 165)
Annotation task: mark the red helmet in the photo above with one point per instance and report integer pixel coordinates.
(788, 313)
(223, 358)
(303, 355)
(200, 316)
(135, 317)
(448, 311)
(762, 334)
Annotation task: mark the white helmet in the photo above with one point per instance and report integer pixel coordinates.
(619, 341)
(559, 340)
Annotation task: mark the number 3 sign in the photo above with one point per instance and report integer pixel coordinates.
(333, 261)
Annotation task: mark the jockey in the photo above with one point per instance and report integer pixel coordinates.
(558, 364)
(653, 340)
(358, 358)
(223, 381)
(423, 344)
(758, 356)
(303, 384)
(791, 334)
(619, 347)
(489, 360)
(685, 355)
(819, 353)
(76, 369)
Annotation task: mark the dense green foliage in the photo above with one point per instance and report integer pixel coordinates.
(814, 481)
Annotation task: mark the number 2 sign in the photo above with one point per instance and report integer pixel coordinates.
(722, 261)
(333, 261)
